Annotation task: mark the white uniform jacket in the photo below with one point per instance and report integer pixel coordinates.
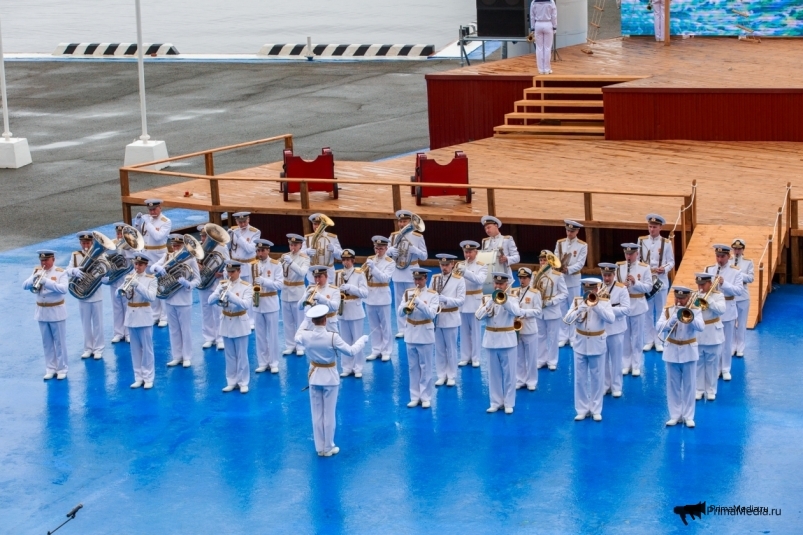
(555, 295)
(620, 304)
(377, 276)
(499, 333)
(234, 321)
(322, 347)
(543, 12)
(417, 251)
(732, 287)
(508, 247)
(657, 252)
(748, 275)
(329, 296)
(530, 305)
(76, 259)
(714, 332)
(590, 325)
(420, 324)
(138, 312)
(681, 347)
(183, 297)
(356, 289)
(270, 282)
(155, 231)
(50, 299)
(242, 246)
(576, 252)
(294, 271)
(474, 275)
(641, 272)
(451, 298)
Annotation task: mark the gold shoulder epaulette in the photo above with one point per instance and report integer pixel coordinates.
(644, 237)
(432, 291)
(388, 259)
(514, 292)
(581, 242)
(716, 292)
(666, 313)
(508, 237)
(274, 261)
(667, 240)
(622, 263)
(643, 264)
(164, 219)
(709, 267)
(604, 298)
(480, 263)
(303, 255)
(331, 235)
(562, 239)
(148, 275)
(252, 229)
(59, 269)
(333, 286)
(394, 233)
(417, 234)
(620, 285)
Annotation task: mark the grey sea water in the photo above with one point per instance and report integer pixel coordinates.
(233, 26)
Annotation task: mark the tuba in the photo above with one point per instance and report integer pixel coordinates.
(402, 244)
(94, 267)
(212, 261)
(132, 239)
(320, 243)
(176, 267)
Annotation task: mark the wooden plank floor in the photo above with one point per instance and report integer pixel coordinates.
(688, 63)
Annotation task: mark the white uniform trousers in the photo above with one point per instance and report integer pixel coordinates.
(210, 318)
(548, 333)
(740, 329)
(179, 322)
(92, 322)
(470, 338)
(142, 353)
(446, 352)
(633, 346)
(543, 45)
(350, 332)
(588, 381)
(292, 318)
(658, 18)
(267, 335)
(613, 363)
(54, 342)
(502, 376)
(238, 372)
(708, 369)
(323, 402)
(726, 349)
(655, 307)
(567, 331)
(119, 304)
(159, 310)
(379, 324)
(681, 384)
(419, 363)
(527, 361)
(398, 297)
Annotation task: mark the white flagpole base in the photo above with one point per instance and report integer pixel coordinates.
(14, 153)
(146, 151)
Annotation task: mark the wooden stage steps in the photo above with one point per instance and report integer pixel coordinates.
(567, 106)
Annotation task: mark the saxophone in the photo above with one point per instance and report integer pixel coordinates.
(257, 287)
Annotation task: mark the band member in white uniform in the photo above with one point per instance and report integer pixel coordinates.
(743, 301)
(295, 265)
(155, 228)
(731, 284)
(508, 253)
(416, 250)
(321, 293)
(378, 270)
(551, 286)
(709, 342)
(49, 283)
(500, 342)
(210, 315)
(235, 297)
(544, 25)
(119, 300)
(527, 354)
(451, 290)
(266, 314)
(658, 18)
(419, 309)
(615, 332)
(474, 273)
(680, 355)
(330, 248)
(637, 278)
(657, 253)
(179, 305)
(141, 288)
(572, 253)
(353, 289)
(91, 308)
(242, 247)
(589, 322)
(323, 347)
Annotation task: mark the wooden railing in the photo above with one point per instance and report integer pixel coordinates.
(772, 256)
(795, 233)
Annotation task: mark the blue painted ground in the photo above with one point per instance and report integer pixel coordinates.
(185, 458)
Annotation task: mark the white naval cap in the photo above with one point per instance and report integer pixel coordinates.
(655, 219)
(591, 281)
(318, 311)
(572, 225)
(491, 219)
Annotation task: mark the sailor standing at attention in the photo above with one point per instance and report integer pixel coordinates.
(353, 289)
(155, 229)
(451, 290)
(141, 292)
(378, 270)
(709, 341)
(295, 266)
(234, 297)
(243, 247)
(407, 247)
(572, 253)
(743, 301)
(500, 342)
(731, 284)
(551, 286)
(474, 274)
(210, 316)
(269, 279)
(91, 307)
(658, 19)
(544, 25)
(507, 252)
(680, 355)
(637, 278)
(527, 358)
(119, 300)
(589, 315)
(322, 348)
(419, 308)
(615, 332)
(49, 283)
(657, 253)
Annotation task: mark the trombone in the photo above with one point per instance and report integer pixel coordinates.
(702, 302)
(684, 315)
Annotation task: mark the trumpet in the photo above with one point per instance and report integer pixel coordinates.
(410, 306)
(702, 302)
(309, 301)
(127, 290)
(460, 268)
(223, 298)
(38, 281)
